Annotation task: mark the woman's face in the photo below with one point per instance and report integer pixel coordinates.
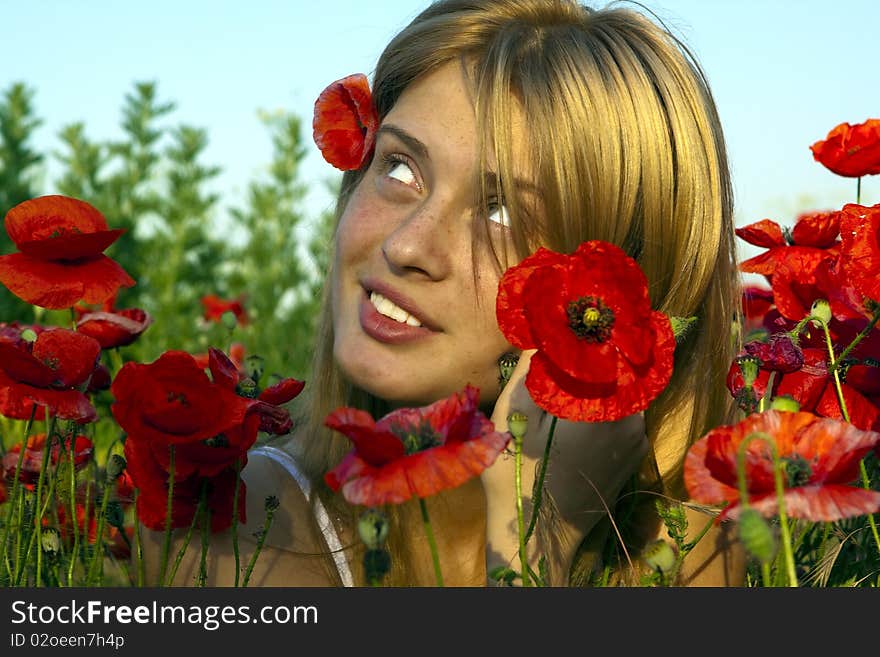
(412, 323)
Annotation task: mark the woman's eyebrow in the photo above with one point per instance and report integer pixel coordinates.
(412, 142)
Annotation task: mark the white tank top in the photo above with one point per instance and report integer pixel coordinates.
(331, 538)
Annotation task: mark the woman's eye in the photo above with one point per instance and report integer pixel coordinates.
(498, 214)
(401, 171)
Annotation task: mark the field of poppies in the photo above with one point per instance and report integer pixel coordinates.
(98, 443)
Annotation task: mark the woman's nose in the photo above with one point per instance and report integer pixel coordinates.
(424, 241)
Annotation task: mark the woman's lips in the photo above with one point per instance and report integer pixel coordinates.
(387, 330)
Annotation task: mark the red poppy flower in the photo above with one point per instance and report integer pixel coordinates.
(3, 495)
(114, 329)
(860, 248)
(60, 261)
(850, 150)
(48, 372)
(413, 452)
(173, 399)
(602, 353)
(817, 230)
(273, 418)
(345, 122)
(215, 307)
(756, 301)
(151, 480)
(821, 458)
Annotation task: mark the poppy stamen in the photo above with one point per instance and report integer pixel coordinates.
(590, 319)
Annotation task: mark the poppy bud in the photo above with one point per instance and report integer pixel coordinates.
(29, 335)
(377, 563)
(821, 310)
(247, 388)
(506, 365)
(229, 320)
(660, 555)
(373, 528)
(517, 423)
(785, 403)
(749, 367)
(50, 540)
(115, 466)
(115, 515)
(756, 536)
(271, 503)
(254, 366)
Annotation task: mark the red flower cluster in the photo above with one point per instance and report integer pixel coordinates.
(60, 261)
(830, 256)
(413, 452)
(345, 122)
(602, 352)
(821, 459)
(32, 459)
(850, 150)
(172, 402)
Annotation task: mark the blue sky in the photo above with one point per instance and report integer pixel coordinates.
(784, 73)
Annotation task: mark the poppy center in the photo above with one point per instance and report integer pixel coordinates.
(417, 438)
(797, 470)
(590, 319)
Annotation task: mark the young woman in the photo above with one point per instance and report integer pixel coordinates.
(506, 125)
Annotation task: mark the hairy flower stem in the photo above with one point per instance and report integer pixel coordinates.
(856, 340)
(38, 515)
(261, 538)
(138, 546)
(858, 190)
(206, 533)
(234, 528)
(14, 495)
(166, 545)
(95, 569)
(538, 488)
(182, 551)
(435, 556)
(866, 483)
(520, 522)
(71, 483)
(780, 496)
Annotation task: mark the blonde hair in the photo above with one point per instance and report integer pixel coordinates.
(626, 147)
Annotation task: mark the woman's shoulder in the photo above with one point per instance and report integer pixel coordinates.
(294, 550)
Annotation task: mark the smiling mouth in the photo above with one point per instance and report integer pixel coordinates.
(389, 309)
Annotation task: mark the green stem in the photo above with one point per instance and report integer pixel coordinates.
(780, 495)
(166, 545)
(520, 523)
(856, 340)
(14, 495)
(206, 532)
(866, 484)
(838, 387)
(435, 556)
(182, 551)
(270, 513)
(858, 190)
(138, 545)
(538, 488)
(72, 490)
(235, 523)
(38, 516)
(98, 552)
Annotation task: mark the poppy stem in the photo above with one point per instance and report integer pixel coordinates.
(780, 495)
(96, 567)
(38, 511)
(538, 489)
(435, 557)
(74, 554)
(864, 332)
(838, 388)
(235, 523)
(182, 551)
(138, 545)
(858, 190)
(261, 538)
(206, 533)
(13, 496)
(166, 546)
(520, 523)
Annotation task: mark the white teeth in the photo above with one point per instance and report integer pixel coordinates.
(389, 309)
